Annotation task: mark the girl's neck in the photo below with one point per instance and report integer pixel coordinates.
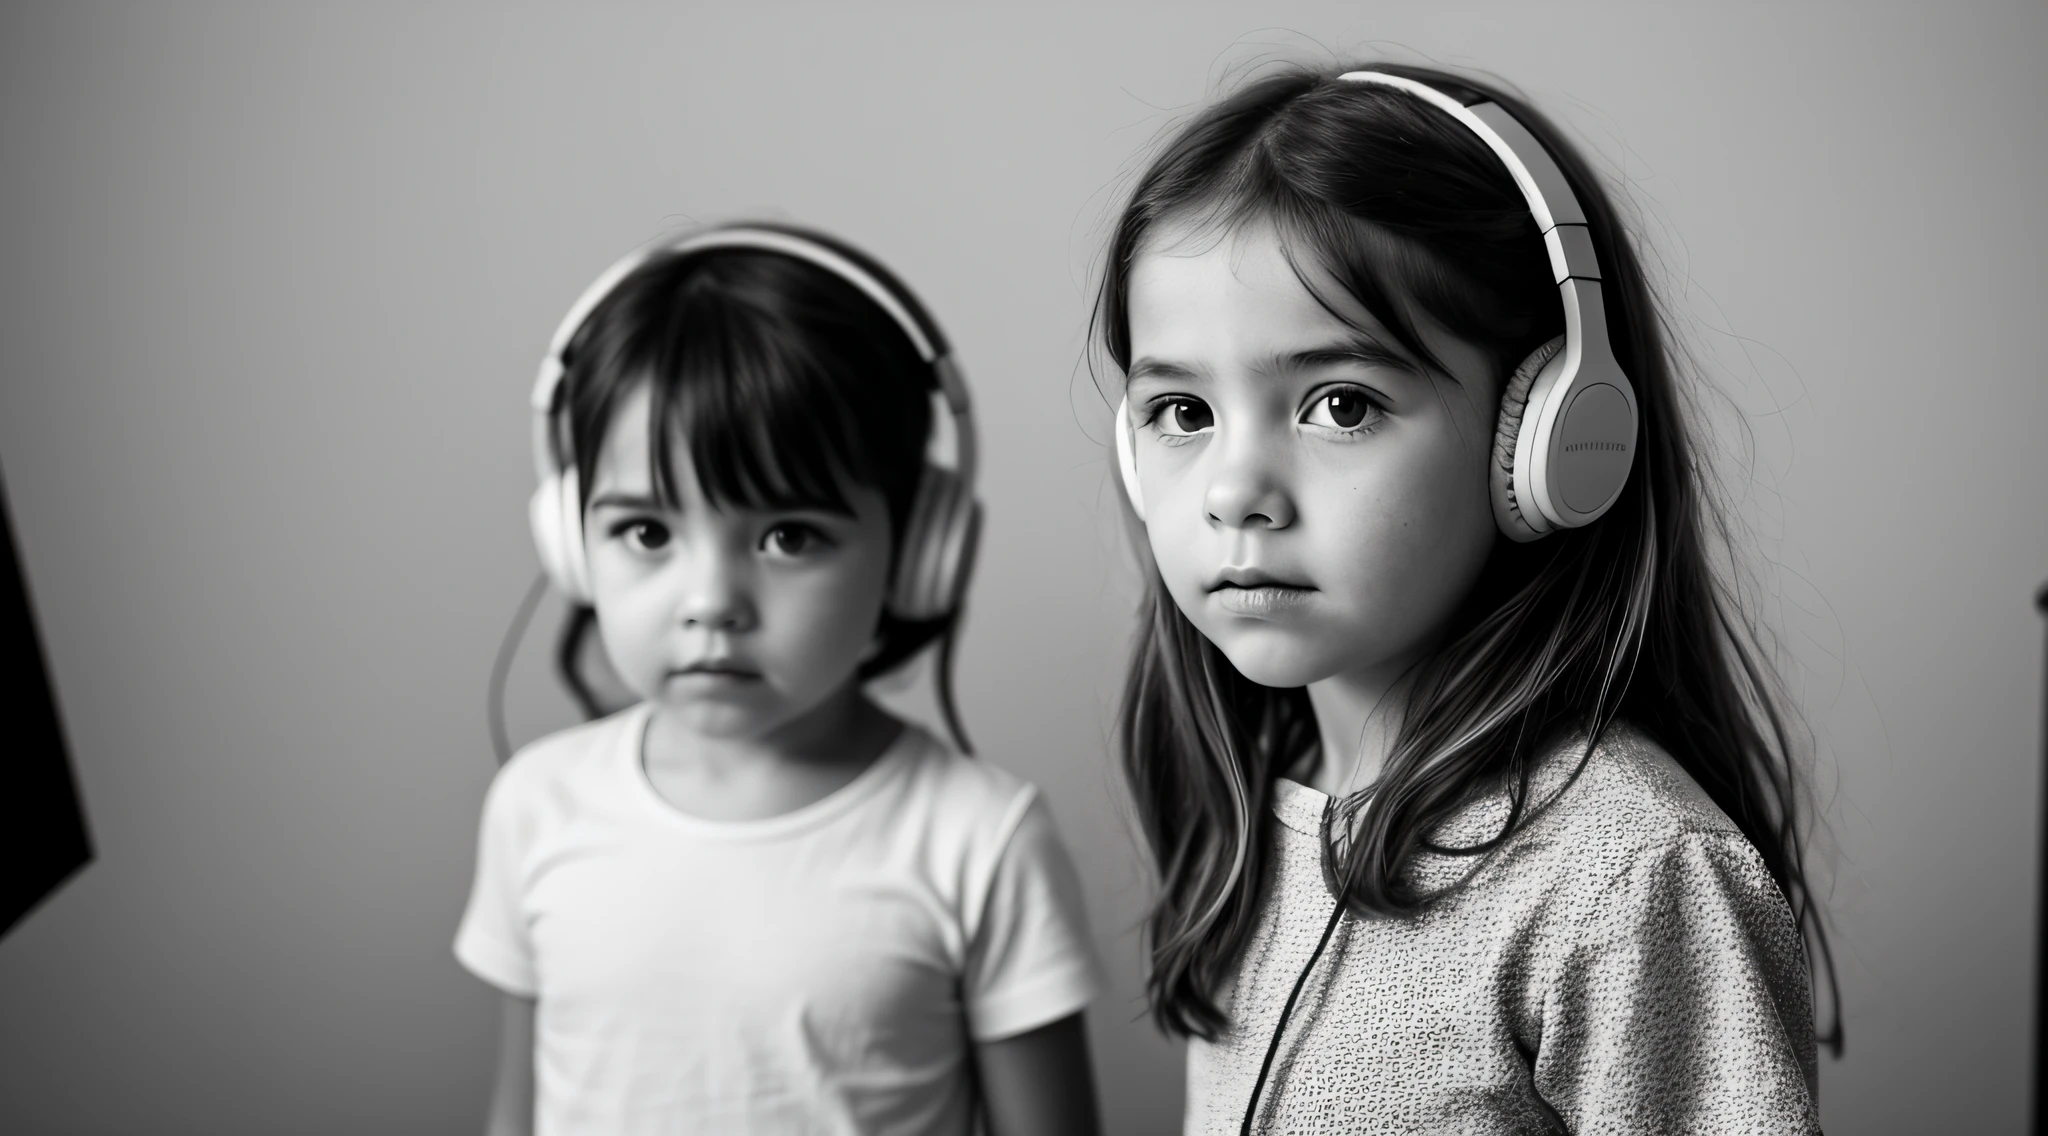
(1357, 715)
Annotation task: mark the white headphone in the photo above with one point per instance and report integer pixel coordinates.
(1566, 435)
(936, 551)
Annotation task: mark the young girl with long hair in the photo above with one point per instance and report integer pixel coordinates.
(755, 901)
(1472, 803)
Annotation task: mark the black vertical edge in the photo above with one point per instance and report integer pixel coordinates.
(2040, 1082)
(43, 838)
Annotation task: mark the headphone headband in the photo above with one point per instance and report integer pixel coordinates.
(1581, 423)
(844, 262)
(1543, 185)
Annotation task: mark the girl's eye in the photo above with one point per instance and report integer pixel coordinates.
(1345, 409)
(642, 534)
(1181, 417)
(793, 539)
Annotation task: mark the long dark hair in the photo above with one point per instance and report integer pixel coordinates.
(1411, 213)
(779, 378)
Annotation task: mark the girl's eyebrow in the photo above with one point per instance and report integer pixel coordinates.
(1151, 368)
(1357, 349)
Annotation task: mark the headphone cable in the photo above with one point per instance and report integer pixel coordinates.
(943, 664)
(1251, 1109)
(494, 699)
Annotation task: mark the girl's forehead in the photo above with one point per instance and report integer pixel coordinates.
(1199, 232)
(1206, 297)
(1206, 287)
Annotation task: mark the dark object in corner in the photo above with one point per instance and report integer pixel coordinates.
(2040, 1085)
(42, 826)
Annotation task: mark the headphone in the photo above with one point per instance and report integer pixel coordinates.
(1566, 435)
(936, 551)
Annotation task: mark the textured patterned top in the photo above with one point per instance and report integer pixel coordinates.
(1624, 964)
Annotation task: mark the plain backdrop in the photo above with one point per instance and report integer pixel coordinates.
(276, 280)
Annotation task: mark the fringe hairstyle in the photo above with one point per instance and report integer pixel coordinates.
(1410, 213)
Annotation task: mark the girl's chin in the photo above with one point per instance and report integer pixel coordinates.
(718, 717)
(737, 709)
(1276, 660)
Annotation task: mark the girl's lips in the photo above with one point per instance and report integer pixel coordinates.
(713, 673)
(1262, 599)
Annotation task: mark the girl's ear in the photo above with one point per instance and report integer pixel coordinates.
(1519, 524)
(1127, 461)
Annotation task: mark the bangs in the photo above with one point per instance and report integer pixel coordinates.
(764, 426)
(774, 377)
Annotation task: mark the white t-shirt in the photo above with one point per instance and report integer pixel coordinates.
(823, 971)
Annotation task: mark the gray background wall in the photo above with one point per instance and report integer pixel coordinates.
(275, 282)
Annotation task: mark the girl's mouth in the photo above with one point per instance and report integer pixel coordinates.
(715, 671)
(1260, 599)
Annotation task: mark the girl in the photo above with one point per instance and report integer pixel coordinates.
(755, 902)
(1471, 805)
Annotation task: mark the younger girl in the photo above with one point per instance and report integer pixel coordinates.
(1471, 805)
(755, 902)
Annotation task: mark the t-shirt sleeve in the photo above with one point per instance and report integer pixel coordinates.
(492, 940)
(1029, 961)
(1685, 1007)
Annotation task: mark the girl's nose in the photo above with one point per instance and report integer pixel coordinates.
(1248, 493)
(715, 598)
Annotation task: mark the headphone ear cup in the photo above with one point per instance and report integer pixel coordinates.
(1514, 505)
(1127, 460)
(955, 527)
(556, 515)
(575, 555)
(921, 590)
(905, 586)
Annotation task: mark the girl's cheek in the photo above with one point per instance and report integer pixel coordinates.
(825, 621)
(1177, 549)
(633, 623)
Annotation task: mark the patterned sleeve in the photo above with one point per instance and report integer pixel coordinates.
(1685, 1006)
